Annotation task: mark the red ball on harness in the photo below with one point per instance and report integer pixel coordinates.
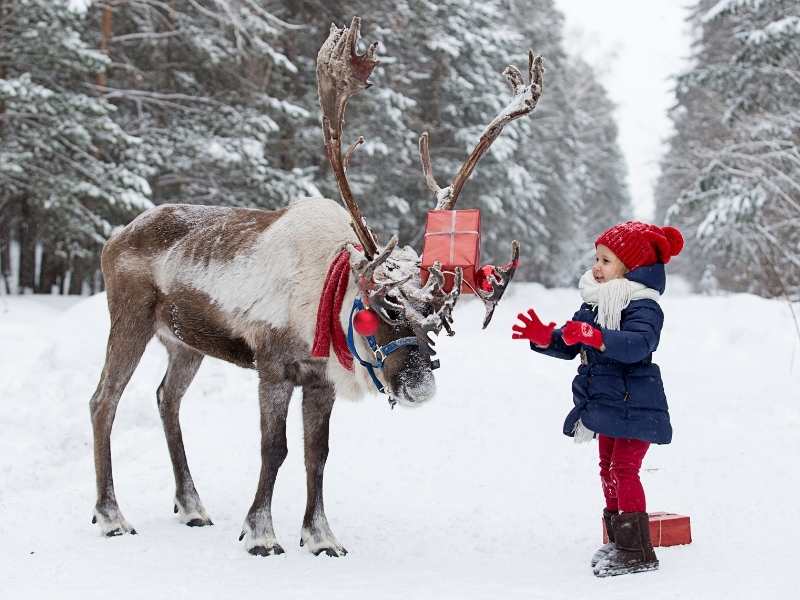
(366, 322)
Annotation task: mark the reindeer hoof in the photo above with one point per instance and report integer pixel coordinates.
(318, 541)
(191, 512)
(111, 522)
(120, 531)
(334, 552)
(199, 522)
(275, 549)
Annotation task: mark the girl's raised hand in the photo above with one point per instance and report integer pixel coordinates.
(578, 332)
(533, 329)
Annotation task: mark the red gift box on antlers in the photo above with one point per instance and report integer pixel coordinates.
(453, 237)
(666, 529)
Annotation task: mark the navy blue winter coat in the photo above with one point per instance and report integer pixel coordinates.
(619, 392)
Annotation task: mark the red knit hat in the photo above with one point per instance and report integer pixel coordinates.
(638, 244)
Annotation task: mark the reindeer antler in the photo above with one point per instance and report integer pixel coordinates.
(523, 102)
(342, 73)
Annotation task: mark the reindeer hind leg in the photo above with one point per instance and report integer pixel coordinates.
(183, 365)
(131, 328)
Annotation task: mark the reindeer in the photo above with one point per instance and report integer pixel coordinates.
(243, 286)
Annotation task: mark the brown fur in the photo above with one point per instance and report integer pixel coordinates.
(191, 317)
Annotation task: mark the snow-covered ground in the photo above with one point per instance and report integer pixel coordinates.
(475, 495)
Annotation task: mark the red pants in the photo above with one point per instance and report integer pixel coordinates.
(620, 461)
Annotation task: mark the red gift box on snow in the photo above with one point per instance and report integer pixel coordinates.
(666, 529)
(453, 237)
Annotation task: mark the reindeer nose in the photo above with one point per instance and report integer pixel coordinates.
(415, 391)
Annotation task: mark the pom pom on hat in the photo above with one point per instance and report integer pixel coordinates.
(675, 240)
(639, 244)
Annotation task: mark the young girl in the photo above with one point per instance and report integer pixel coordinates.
(618, 393)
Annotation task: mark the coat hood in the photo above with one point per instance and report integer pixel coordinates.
(653, 276)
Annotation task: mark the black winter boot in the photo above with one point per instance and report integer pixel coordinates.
(608, 516)
(634, 550)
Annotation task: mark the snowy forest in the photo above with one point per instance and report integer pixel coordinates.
(110, 107)
(731, 175)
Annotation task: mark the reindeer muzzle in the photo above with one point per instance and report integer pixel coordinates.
(380, 353)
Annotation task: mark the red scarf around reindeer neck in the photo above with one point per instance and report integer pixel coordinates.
(329, 327)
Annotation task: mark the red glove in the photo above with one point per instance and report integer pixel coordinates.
(578, 332)
(533, 330)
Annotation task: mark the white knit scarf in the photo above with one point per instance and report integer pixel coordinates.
(610, 299)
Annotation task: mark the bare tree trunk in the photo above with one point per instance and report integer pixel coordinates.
(44, 266)
(52, 270)
(5, 220)
(27, 248)
(106, 30)
(2, 76)
(92, 275)
(5, 10)
(5, 254)
(78, 275)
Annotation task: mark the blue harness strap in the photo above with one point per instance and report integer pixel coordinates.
(380, 352)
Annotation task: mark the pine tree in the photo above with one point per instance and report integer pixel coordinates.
(577, 183)
(471, 47)
(384, 172)
(196, 80)
(598, 173)
(68, 172)
(734, 158)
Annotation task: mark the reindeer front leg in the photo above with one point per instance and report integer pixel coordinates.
(274, 402)
(317, 405)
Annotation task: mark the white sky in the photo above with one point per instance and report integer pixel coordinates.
(637, 45)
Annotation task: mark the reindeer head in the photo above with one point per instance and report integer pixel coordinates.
(411, 314)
